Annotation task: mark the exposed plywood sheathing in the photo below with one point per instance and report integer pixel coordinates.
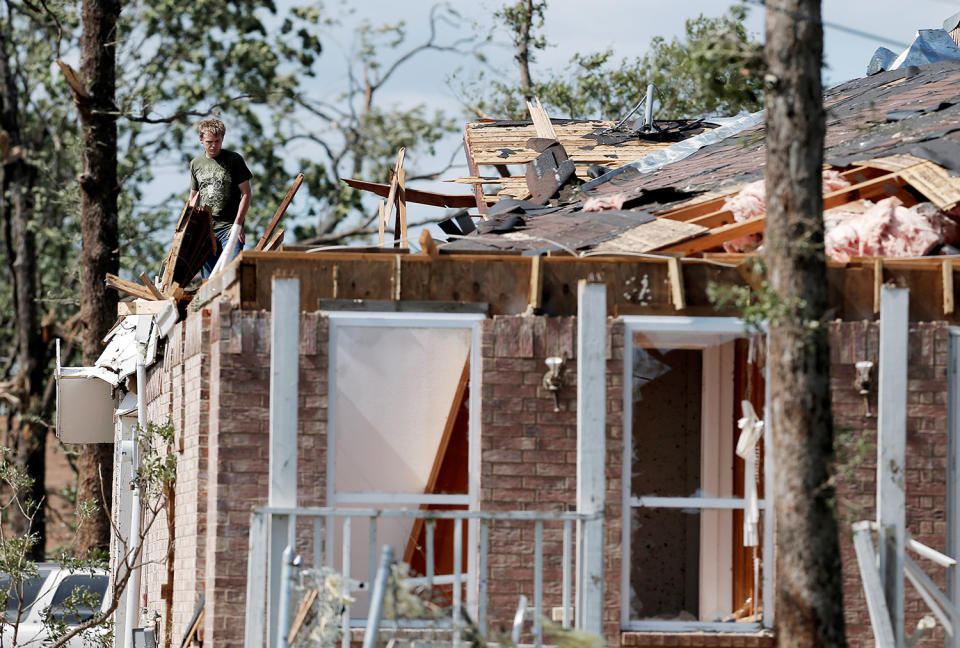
(491, 144)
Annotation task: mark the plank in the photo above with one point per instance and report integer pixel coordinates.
(149, 285)
(946, 274)
(301, 615)
(381, 223)
(675, 275)
(267, 233)
(428, 245)
(275, 241)
(717, 237)
(877, 284)
(129, 287)
(651, 236)
(392, 189)
(536, 284)
(141, 307)
(714, 219)
(934, 183)
(686, 212)
(400, 229)
(886, 184)
(451, 201)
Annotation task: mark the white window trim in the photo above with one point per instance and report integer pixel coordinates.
(693, 333)
(471, 321)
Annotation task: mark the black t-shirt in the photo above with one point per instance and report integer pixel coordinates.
(217, 180)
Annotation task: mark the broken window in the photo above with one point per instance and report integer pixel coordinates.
(690, 561)
(403, 430)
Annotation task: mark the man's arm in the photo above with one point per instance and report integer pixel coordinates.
(193, 194)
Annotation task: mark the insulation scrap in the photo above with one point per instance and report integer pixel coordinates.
(887, 228)
(750, 202)
(601, 203)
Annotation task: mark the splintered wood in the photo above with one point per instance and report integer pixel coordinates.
(193, 244)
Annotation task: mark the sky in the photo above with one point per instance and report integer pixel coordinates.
(579, 26)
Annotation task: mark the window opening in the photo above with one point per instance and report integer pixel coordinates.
(685, 563)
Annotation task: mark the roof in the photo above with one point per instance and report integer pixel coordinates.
(903, 122)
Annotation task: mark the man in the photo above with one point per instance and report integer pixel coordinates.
(222, 180)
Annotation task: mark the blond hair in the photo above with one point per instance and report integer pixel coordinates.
(213, 126)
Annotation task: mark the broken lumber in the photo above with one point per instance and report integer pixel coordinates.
(452, 201)
(149, 284)
(129, 287)
(428, 245)
(400, 227)
(267, 233)
(392, 190)
(274, 242)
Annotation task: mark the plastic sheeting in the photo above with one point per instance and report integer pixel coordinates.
(928, 46)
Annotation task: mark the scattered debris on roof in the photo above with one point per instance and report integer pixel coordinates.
(928, 46)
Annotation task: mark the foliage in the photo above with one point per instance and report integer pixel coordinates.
(156, 479)
(714, 70)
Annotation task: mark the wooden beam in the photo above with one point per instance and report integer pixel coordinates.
(434, 199)
(686, 212)
(149, 284)
(267, 233)
(129, 287)
(718, 236)
(400, 227)
(301, 616)
(275, 241)
(141, 307)
(675, 275)
(392, 190)
(877, 284)
(536, 283)
(428, 245)
(381, 222)
(887, 184)
(946, 270)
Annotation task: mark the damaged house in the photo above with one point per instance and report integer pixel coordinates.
(546, 405)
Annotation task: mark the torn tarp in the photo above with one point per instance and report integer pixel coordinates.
(928, 46)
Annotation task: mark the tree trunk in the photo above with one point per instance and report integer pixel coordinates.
(99, 232)
(523, 47)
(28, 437)
(809, 605)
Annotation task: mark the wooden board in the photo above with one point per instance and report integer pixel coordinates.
(717, 237)
(651, 236)
(452, 201)
(507, 144)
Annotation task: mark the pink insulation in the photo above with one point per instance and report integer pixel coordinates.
(602, 203)
(887, 228)
(750, 202)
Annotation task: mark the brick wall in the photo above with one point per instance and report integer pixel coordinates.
(529, 457)
(217, 396)
(239, 450)
(926, 457)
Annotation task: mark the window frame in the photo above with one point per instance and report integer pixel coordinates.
(694, 333)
